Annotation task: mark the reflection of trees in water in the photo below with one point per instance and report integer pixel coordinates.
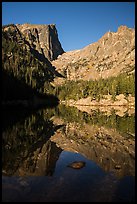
(105, 140)
(23, 143)
(125, 125)
(108, 140)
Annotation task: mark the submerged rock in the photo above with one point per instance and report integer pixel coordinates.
(77, 164)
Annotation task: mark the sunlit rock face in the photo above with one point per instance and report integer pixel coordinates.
(43, 38)
(111, 55)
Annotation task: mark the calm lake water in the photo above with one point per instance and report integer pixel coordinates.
(39, 148)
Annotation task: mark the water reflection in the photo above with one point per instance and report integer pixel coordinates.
(36, 153)
(26, 143)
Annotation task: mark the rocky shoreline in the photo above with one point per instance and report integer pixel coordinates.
(107, 100)
(121, 105)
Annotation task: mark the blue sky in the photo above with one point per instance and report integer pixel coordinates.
(78, 23)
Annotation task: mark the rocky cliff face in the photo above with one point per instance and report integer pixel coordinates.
(26, 54)
(43, 38)
(109, 56)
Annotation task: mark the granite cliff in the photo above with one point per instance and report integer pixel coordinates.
(43, 38)
(26, 54)
(112, 54)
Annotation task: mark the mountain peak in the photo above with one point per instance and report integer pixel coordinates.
(111, 55)
(123, 28)
(44, 38)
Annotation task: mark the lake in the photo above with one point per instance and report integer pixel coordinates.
(41, 151)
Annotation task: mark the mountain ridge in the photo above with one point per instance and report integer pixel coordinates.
(109, 56)
(33, 54)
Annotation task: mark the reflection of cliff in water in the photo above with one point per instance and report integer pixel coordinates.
(42, 162)
(29, 146)
(26, 146)
(111, 149)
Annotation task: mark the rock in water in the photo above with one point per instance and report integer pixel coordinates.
(77, 164)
